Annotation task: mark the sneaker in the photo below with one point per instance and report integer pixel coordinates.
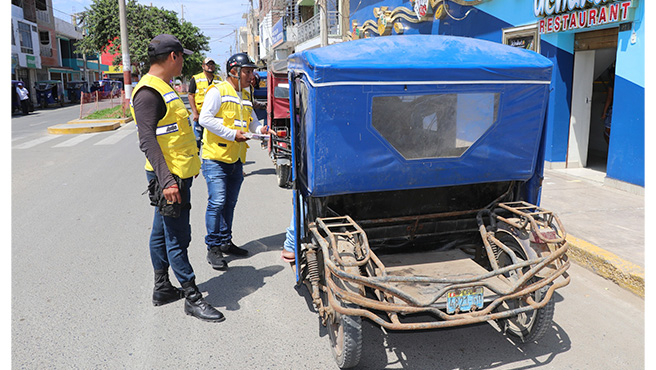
(215, 259)
(231, 248)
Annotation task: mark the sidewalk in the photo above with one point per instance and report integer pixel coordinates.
(605, 226)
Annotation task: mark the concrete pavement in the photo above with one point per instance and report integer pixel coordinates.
(605, 226)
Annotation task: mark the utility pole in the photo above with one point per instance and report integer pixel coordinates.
(182, 15)
(323, 22)
(127, 67)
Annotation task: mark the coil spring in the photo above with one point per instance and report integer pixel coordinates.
(313, 266)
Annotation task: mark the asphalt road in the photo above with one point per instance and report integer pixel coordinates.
(81, 280)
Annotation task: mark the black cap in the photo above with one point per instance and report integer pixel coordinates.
(165, 43)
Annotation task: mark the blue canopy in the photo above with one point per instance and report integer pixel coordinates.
(417, 111)
(420, 58)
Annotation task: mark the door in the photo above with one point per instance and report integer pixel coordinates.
(579, 123)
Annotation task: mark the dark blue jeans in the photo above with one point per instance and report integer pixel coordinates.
(170, 238)
(198, 132)
(223, 185)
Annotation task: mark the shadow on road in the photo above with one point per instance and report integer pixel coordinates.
(228, 288)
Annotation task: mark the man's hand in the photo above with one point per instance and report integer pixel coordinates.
(172, 194)
(240, 137)
(194, 116)
(266, 131)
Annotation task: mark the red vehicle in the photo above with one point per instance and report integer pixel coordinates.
(278, 116)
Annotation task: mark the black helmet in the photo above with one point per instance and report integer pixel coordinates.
(239, 60)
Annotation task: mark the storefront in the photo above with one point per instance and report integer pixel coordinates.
(597, 47)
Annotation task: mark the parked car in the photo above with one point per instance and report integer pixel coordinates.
(417, 170)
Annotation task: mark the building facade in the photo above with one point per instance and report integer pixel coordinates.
(25, 51)
(288, 26)
(43, 47)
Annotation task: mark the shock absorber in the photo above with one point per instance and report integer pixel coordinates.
(313, 275)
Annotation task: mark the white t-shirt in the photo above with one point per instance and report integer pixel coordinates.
(23, 94)
(207, 117)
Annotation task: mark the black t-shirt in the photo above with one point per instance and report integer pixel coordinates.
(149, 109)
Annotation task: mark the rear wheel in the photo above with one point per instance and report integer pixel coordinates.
(345, 331)
(531, 325)
(346, 339)
(283, 173)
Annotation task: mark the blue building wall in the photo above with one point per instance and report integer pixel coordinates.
(626, 154)
(487, 21)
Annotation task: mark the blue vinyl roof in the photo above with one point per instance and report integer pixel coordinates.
(423, 57)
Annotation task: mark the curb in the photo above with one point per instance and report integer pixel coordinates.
(85, 126)
(608, 265)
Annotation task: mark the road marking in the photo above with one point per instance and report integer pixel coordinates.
(76, 140)
(35, 142)
(115, 138)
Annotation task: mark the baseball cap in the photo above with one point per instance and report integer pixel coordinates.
(165, 43)
(208, 59)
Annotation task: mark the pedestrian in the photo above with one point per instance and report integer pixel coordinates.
(289, 246)
(167, 139)
(227, 114)
(24, 97)
(255, 82)
(197, 87)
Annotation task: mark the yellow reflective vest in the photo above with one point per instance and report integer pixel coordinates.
(201, 87)
(234, 116)
(174, 132)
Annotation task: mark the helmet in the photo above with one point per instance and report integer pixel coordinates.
(239, 60)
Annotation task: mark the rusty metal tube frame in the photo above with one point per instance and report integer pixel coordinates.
(411, 305)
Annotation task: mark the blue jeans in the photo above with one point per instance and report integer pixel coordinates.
(223, 185)
(170, 238)
(198, 132)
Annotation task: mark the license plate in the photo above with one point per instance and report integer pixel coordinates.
(463, 300)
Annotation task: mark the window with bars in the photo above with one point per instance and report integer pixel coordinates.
(44, 37)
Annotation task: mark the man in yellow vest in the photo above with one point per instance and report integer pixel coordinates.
(167, 139)
(227, 116)
(197, 87)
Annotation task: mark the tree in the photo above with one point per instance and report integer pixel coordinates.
(101, 23)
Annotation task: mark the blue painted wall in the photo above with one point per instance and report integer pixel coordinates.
(626, 153)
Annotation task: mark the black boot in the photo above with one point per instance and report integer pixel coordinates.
(196, 306)
(164, 291)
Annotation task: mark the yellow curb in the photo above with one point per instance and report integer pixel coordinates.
(608, 265)
(105, 120)
(88, 126)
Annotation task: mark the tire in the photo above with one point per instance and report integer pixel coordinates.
(283, 173)
(529, 326)
(345, 334)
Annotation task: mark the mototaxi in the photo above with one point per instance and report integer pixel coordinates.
(417, 165)
(49, 92)
(278, 115)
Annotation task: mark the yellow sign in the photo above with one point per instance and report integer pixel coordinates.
(117, 69)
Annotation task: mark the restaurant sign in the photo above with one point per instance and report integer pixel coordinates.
(568, 15)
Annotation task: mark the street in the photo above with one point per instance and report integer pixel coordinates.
(81, 280)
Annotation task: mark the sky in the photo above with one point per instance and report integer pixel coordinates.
(217, 19)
